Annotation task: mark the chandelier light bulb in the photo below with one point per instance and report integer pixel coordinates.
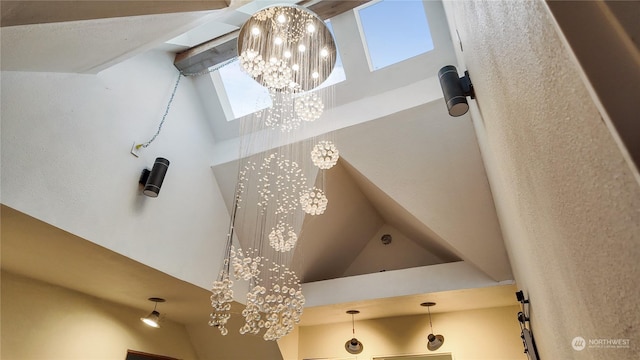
(315, 75)
(302, 48)
(287, 54)
(324, 52)
(282, 19)
(311, 28)
(278, 40)
(295, 67)
(255, 31)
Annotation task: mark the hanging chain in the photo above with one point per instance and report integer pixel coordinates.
(213, 68)
(164, 117)
(173, 94)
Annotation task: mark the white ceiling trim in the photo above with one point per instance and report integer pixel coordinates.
(421, 280)
(353, 113)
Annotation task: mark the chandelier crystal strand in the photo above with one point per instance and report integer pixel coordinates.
(222, 292)
(290, 52)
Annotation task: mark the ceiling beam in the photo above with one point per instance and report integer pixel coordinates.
(216, 51)
(26, 12)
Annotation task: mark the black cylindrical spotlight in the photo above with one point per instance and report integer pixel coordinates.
(455, 90)
(152, 180)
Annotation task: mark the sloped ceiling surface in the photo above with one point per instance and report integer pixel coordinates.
(24, 12)
(429, 163)
(53, 47)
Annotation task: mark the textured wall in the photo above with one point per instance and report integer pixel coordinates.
(43, 321)
(403, 252)
(568, 204)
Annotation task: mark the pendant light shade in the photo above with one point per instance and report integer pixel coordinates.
(434, 341)
(153, 319)
(353, 346)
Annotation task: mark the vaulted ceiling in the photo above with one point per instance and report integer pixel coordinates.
(407, 169)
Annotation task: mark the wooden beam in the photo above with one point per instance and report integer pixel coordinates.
(326, 9)
(208, 54)
(216, 51)
(25, 12)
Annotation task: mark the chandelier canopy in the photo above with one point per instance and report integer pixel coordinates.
(287, 48)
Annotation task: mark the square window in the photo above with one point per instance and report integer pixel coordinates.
(241, 93)
(394, 31)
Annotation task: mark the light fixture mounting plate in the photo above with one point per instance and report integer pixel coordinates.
(157, 299)
(353, 312)
(428, 303)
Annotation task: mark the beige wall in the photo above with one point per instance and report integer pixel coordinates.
(43, 321)
(402, 253)
(568, 203)
(467, 336)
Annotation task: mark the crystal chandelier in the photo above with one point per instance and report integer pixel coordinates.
(290, 51)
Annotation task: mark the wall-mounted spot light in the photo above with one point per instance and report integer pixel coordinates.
(153, 319)
(434, 341)
(353, 346)
(455, 90)
(152, 180)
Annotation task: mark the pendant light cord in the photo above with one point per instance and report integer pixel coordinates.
(353, 325)
(430, 324)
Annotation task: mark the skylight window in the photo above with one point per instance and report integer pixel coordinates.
(394, 31)
(240, 95)
(243, 94)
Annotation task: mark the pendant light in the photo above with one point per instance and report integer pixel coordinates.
(153, 319)
(353, 346)
(434, 341)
